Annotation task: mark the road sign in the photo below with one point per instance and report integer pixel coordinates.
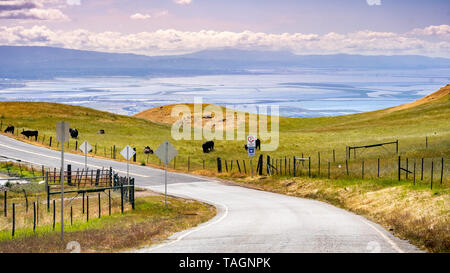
(127, 152)
(62, 131)
(251, 141)
(86, 147)
(166, 152)
(251, 151)
(166, 148)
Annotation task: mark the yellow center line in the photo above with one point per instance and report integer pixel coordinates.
(68, 160)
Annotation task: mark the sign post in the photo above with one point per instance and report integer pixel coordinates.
(251, 143)
(62, 134)
(166, 152)
(128, 153)
(85, 148)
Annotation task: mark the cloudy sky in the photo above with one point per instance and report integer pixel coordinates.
(160, 27)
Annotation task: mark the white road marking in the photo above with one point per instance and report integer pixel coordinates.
(179, 238)
(68, 160)
(386, 238)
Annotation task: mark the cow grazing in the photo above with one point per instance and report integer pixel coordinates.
(208, 146)
(10, 129)
(148, 150)
(257, 145)
(101, 132)
(73, 133)
(30, 133)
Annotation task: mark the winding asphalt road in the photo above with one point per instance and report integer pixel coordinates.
(247, 220)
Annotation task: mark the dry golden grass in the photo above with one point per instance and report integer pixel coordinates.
(150, 223)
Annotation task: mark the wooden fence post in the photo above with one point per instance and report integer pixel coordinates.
(442, 170)
(399, 162)
(34, 216)
(414, 176)
(432, 167)
(50, 141)
(421, 171)
(378, 168)
(99, 206)
(239, 166)
(87, 208)
(189, 163)
(334, 156)
(219, 165)
(309, 166)
(121, 197)
(13, 219)
(294, 166)
(54, 214)
(245, 168)
(5, 204)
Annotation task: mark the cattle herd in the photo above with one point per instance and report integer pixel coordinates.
(207, 147)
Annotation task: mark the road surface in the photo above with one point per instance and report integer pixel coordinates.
(247, 220)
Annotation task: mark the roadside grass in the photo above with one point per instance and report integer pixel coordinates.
(148, 224)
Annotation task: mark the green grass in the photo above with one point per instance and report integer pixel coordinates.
(298, 136)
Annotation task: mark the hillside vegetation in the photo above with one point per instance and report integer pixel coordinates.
(422, 129)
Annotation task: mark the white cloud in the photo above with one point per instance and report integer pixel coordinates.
(30, 9)
(442, 31)
(170, 41)
(373, 2)
(183, 2)
(73, 2)
(157, 14)
(139, 16)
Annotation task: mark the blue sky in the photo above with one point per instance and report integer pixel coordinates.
(181, 26)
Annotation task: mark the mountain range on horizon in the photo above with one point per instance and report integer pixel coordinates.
(40, 62)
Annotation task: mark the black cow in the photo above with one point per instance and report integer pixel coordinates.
(257, 145)
(73, 133)
(208, 146)
(148, 150)
(30, 133)
(101, 132)
(10, 129)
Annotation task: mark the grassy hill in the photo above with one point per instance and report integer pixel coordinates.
(411, 124)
